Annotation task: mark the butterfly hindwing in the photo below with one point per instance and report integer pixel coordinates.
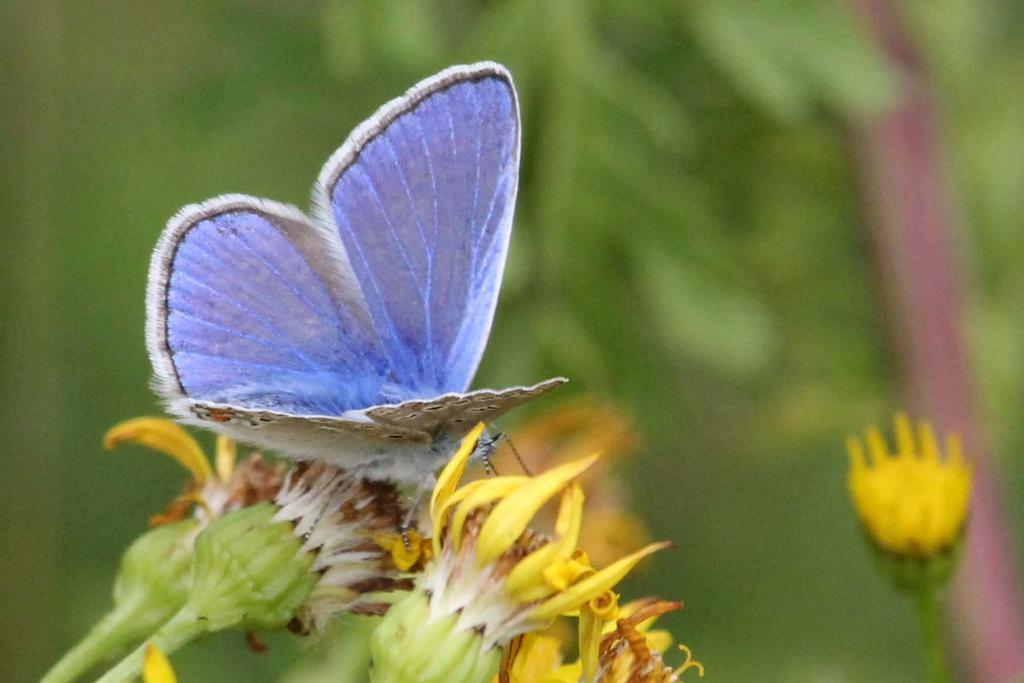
(458, 412)
(245, 310)
(385, 441)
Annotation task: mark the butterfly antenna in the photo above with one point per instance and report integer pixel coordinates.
(519, 458)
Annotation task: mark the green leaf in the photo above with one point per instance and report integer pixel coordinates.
(791, 56)
(713, 320)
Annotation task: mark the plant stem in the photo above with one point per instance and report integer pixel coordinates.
(907, 191)
(184, 627)
(101, 643)
(929, 605)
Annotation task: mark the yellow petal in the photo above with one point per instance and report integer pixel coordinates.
(402, 556)
(452, 472)
(226, 457)
(593, 616)
(593, 585)
(529, 571)
(561, 575)
(438, 517)
(155, 666)
(929, 445)
(542, 655)
(569, 673)
(511, 516)
(877, 448)
(477, 494)
(164, 436)
(570, 515)
(904, 436)
(537, 655)
(469, 491)
(658, 640)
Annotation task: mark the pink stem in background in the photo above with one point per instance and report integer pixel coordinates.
(907, 194)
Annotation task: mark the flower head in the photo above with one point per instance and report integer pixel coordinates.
(630, 652)
(156, 572)
(340, 519)
(348, 524)
(913, 502)
(492, 578)
(616, 645)
(269, 549)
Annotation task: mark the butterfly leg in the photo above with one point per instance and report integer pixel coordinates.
(426, 484)
(484, 448)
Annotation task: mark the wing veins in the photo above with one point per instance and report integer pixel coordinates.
(343, 221)
(270, 327)
(291, 286)
(427, 253)
(476, 184)
(428, 304)
(248, 363)
(262, 341)
(483, 230)
(371, 185)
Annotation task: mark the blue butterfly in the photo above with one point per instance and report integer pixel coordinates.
(352, 336)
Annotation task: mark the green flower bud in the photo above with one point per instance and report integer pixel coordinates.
(156, 572)
(248, 572)
(409, 646)
(151, 586)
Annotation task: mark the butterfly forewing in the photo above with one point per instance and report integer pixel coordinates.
(422, 198)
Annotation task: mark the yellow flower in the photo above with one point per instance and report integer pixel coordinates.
(483, 528)
(492, 578)
(616, 645)
(215, 490)
(156, 668)
(631, 653)
(913, 502)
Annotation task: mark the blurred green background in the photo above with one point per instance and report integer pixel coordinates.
(689, 242)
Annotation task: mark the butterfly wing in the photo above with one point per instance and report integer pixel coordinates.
(386, 441)
(456, 414)
(354, 336)
(247, 306)
(422, 195)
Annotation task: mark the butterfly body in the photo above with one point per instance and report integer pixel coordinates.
(351, 336)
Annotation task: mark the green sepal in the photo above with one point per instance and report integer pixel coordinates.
(156, 569)
(409, 647)
(914, 573)
(249, 571)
